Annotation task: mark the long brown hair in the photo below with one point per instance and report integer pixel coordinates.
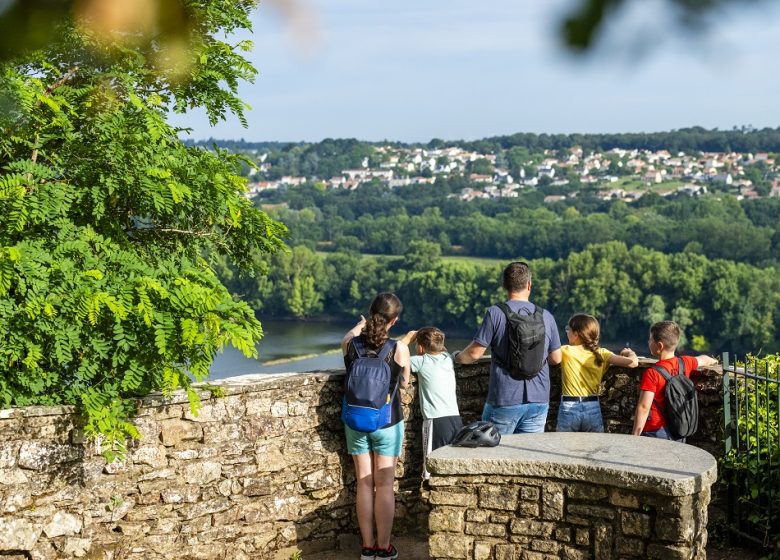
(587, 329)
(384, 308)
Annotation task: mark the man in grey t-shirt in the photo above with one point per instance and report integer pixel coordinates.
(514, 406)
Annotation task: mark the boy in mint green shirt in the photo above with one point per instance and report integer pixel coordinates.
(436, 388)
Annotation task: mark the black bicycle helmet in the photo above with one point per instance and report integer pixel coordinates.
(477, 434)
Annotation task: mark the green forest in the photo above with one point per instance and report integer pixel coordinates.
(709, 263)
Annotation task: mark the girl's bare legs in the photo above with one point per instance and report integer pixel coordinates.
(384, 501)
(365, 497)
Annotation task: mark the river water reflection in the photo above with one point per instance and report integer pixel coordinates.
(290, 346)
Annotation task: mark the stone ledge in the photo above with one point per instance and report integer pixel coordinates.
(622, 461)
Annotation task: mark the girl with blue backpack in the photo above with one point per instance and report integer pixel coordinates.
(373, 422)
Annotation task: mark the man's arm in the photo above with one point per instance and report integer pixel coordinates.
(642, 410)
(470, 353)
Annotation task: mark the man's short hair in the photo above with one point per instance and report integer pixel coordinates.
(431, 338)
(516, 276)
(667, 332)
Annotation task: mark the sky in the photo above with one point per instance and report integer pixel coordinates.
(457, 69)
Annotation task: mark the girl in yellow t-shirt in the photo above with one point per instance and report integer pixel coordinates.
(583, 366)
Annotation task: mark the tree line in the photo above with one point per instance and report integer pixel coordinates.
(720, 304)
(379, 220)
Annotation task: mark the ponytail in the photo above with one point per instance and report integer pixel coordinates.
(375, 331)
(383, 310)
(587, 329)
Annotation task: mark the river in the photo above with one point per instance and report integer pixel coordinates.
(291, 346)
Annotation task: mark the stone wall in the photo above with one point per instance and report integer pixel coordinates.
(257, 473)
(571, 496)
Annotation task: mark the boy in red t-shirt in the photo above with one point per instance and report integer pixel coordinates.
(649, 419)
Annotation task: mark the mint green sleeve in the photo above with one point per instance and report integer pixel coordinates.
(416, 363)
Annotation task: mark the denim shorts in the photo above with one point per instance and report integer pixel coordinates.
(386, 442)
(574, 416)
(518, 418)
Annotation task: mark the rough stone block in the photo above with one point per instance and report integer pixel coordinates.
(174, 431)
(180, 493)
(36, 455)
(483, 551)
(76, 547)
(623, 498)
(450, 546)
(529, 493)
(571, 553)
(18, 534)
(501, 517)
(629, 547)
(582, 537)
(486, 529)
(154, 456)
(498, 497)
(674, 529)
(657, 551)
(453, 497)
(563, 534)
(528, 509)
(507, 552)
(446, 519)
(591, 511)
(635, 524)
(589, 492)
(552, 503)
(603, 543)
(477, 515)
(202, 473)
(531, 527)
(63, 524)
(540, 545)
(8, 453)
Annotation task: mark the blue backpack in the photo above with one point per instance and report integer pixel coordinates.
(367, 404)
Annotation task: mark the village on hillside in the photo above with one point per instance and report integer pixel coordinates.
(616, 174)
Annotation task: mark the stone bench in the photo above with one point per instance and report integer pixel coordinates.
(572, 496)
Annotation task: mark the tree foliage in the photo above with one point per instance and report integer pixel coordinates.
(110, 226)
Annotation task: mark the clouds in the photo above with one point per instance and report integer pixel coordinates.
(459, 69)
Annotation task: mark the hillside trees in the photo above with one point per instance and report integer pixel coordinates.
(110, 226)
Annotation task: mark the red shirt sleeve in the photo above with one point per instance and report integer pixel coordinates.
(691, 363)
(649, 381)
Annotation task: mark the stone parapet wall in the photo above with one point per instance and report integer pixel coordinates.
(614, 502)
(260, 471)
(257, 471)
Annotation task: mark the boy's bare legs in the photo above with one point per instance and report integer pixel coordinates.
(384, 502)
(365, 497)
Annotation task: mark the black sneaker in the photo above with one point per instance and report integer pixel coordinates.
(367, 553)
(390, 553)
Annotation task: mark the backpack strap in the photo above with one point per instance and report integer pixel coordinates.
(388, 347)
(680, 366)
(505, 308)
(359, 348)
(662, 370)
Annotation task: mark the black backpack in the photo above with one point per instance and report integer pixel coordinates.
(682, 404)
(526, 334)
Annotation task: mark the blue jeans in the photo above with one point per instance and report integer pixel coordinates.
(576, 416)
(517, 419)
(662, 434)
